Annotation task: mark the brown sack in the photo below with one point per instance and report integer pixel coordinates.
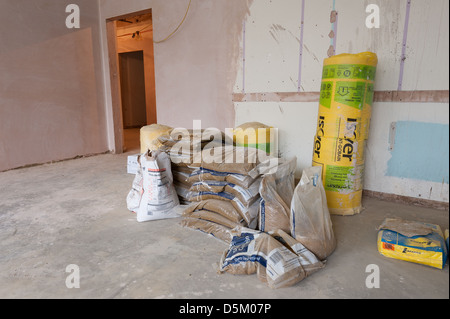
(240, 160)
(310, 218)
(224, 208)
(276, 263)
(276, 191)
(218, 231)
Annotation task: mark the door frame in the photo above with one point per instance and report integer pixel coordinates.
(116, 98)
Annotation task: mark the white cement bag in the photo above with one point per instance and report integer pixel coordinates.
(159, 198)
(135, 195)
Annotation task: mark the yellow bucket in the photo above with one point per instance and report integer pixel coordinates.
(345, 111)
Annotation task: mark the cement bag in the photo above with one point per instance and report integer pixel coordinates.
(199, 196)
(150, 134)
(218, 231)
(240, 180)
(248, 252)
(250, 214)
(246, 196)
(276, 191)
(412, 241)
(135, 195)
(183, 192)
(275, 262)
(308, 260)
(229, 159)
(310, 221)
(209, 186)
(241, 198)
(224, 208)
(197, 135)
(181, 178)
(202, 174)
(159, 197)
(248, 211)
(212, 217)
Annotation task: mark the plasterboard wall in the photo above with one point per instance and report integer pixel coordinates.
(270, 62)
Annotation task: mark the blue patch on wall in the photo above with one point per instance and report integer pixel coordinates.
(420, 152)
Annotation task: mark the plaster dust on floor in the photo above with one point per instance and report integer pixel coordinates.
(74, 213)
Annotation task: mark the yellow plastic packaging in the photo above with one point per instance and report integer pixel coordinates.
(415, 242)
(345, 110)
(253, 134)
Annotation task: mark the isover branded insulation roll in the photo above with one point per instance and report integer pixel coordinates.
(343, 128)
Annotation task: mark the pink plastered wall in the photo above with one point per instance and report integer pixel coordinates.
(51, 89)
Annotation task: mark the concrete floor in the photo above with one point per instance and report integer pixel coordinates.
(74, 212)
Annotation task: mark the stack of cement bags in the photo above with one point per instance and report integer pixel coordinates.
(214, 217)
(225, 183)
(184, 146)
(181, 182)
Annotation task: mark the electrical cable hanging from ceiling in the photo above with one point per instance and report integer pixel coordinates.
(170, 35)
(138, 33)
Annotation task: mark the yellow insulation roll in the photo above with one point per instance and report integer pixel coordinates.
(345, 111)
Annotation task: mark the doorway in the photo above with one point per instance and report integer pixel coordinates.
(132, 88)
(131, 55)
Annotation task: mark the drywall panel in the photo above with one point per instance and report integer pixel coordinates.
(353, 36)
(296, 124)
(427, 46)
(273, 38)
(272, 46)
(427, 59)
(51, 97)
(316, 42)
(385, 149)
(239, 81)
